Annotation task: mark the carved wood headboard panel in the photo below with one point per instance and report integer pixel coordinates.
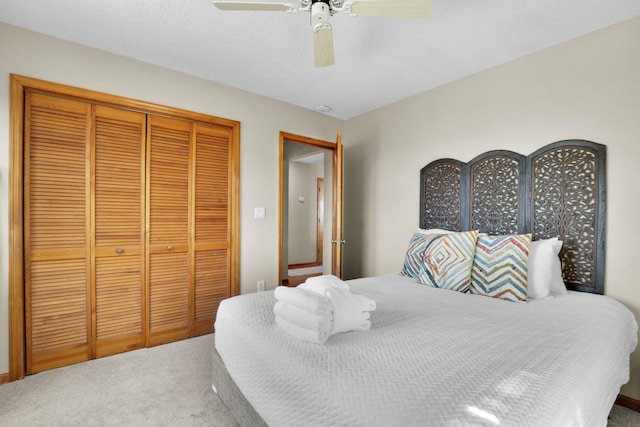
(559, 190)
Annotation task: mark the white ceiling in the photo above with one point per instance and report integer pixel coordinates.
(313, 159)
(377, 60)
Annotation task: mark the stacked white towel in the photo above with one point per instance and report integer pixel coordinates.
(320, 284)
(304, 314)
(321, 307)
(347, 312)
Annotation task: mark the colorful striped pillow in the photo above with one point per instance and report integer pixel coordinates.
(448, 259)
(500, 268)
(414, 259)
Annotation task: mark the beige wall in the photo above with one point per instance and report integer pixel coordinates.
(35, 55)
(587, 88)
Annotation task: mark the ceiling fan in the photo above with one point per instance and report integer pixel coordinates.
(321, 10)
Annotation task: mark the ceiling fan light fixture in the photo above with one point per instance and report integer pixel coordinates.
(320, 12)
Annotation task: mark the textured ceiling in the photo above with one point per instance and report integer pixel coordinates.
(377, 60)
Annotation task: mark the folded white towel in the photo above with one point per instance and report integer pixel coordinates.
(321, 322)
(365, 303)
(320, 284)
(314, 336)
(347, 314)
(320, 308)
(303, 299)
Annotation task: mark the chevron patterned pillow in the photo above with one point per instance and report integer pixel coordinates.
(414, 259)
(447, 261)
(500, 267)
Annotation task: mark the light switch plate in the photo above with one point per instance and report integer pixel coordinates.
(259, 213)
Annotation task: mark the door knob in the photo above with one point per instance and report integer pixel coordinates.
(119, 251)
(169, 248)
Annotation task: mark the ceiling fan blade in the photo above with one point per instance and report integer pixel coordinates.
(389, 8)
(323, 45)
(268, 7)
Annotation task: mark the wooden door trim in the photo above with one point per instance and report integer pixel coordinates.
(72, 92)
(18, 86)
(337, 236)
(319, 220)
(16, 229)
(285, 136)
(304, 265)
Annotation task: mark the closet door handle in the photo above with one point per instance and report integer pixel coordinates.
(119, 251)
(169, 248)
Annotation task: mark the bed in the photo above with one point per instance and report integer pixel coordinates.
(442, 358)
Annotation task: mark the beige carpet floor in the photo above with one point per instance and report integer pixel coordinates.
(168, 385)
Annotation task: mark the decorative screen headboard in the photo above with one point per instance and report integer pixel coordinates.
(559, 190)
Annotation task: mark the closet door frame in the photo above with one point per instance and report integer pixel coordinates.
(19, 85)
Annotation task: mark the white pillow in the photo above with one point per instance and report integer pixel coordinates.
(545, 271)
(557, 281)
(434, 231)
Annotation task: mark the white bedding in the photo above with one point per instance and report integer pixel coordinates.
(434, 358)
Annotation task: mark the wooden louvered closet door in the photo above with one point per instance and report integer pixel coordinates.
(56, 202)
(119, 194)
(127, 228)
(212, 237)
(189, 241)
(168, 154)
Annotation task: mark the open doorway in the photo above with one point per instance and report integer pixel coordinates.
(306, 208)
(305, 225)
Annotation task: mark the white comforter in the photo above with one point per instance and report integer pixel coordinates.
(434, 358)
